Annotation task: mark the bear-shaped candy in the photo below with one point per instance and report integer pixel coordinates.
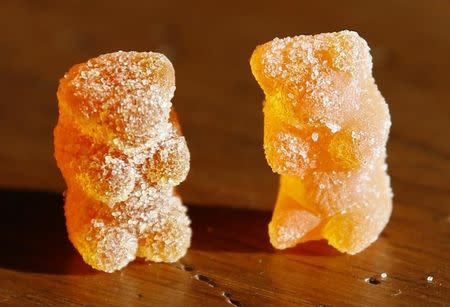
(325, 131)
(120, 149)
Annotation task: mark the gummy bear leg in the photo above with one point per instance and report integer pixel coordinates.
(113, 249)
(102, 244)
(168, 236)
(106, 248)
(291, 223)
(356, 228)
(347, 233)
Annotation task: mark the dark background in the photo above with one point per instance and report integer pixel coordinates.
(219, 105)
(218, 101)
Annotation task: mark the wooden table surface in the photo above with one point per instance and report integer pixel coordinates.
(230, 187)
(230, 262)
(217, 98)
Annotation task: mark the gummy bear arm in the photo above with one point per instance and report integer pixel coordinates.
(173, 118)
(95, 168)
(170, 162)
(291, 223)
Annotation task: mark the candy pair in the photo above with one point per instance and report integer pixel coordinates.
(120, 149)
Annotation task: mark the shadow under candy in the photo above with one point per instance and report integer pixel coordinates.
(33, 235)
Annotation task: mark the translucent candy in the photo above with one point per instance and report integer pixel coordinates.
(120, 149)
(325, 131)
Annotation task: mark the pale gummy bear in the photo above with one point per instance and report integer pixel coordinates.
(120, 149)
(325, 131)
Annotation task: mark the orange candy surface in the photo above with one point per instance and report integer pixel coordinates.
(325, 131)
(120, 149)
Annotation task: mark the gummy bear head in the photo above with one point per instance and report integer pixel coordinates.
(314, 87)
(313, 78)
(123, 95)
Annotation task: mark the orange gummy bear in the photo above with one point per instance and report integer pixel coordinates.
(325, 131)
(120, 149)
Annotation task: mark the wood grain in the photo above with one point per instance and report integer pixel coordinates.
(218, 101)
(230, 186)
(230, 260)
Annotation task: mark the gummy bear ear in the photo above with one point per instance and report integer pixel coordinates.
(348, 53)
(259, 69)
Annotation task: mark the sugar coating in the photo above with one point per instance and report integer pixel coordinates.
(325, 131)
(120, 149)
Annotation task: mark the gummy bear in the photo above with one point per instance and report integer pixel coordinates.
(120, 149)
(325, 131)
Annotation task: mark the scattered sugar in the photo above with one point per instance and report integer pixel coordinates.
(293, 149)
(121, 105)
(333, 127)
(325, 80)
(124, 92)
